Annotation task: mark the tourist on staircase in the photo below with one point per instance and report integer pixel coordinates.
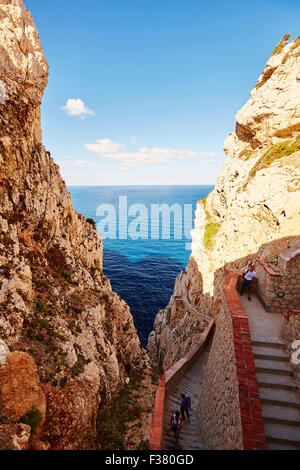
(249, 276)
(176, 423)
(185, 406)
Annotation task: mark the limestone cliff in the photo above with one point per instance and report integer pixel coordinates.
(254, 210)
(67, 341)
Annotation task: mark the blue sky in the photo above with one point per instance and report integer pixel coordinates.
(146, 91)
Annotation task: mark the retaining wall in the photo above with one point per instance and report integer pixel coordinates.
(285, 279)
(291, 333)
(229, 405)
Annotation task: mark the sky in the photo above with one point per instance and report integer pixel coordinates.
(144, 92)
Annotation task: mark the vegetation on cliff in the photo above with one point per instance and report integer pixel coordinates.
(277, 151)
(281, 45)
(211, 230)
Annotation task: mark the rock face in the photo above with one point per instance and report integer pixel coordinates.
(176, 328)
(254, 210)
(60, 322)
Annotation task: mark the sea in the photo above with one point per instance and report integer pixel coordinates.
(146, 240)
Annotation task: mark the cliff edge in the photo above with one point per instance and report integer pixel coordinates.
(68, 342)
(254, 210)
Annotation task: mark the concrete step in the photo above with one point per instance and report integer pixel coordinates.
(279, 397)
(267, 341)
(280, 446)
(280, 414)
(273, 367)
(276, 381)
(282, 434)
(271, 353)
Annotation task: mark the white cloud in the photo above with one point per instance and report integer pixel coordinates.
(68, 162)
(110, 150)
(76, 107)
(133, 139)
(209, 154)
(104, 147)
(189, 154)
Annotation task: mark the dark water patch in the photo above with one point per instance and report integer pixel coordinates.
(145, 285)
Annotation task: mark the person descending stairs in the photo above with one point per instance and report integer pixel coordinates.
(191, 383)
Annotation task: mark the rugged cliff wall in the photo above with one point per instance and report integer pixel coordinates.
(254, 211)
(67, 341)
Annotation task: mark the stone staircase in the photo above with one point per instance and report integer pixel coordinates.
(279, 395)
(191, 383)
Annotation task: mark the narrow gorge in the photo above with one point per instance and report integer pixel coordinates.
(68, 343)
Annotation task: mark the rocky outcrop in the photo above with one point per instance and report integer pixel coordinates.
(60, 323)
(254, 210)
(176, 328)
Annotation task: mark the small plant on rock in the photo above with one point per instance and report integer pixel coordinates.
(33, 418)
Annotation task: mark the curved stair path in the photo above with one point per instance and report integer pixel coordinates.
(190, 383)
(279, 395)
(180, 294)
(190, 438)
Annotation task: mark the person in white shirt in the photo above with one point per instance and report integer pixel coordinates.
(248, 277)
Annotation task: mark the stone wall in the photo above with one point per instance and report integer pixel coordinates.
(230, 406)
(269, 282)
(290, 334)
(284, 279)
(220, 408)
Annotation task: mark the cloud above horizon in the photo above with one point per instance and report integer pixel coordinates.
(110, 150)
(68, 162)
(76, 107)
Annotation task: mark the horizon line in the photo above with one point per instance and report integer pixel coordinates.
(133, 185)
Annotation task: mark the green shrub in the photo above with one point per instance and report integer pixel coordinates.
(126, 327)
(40, 305)
(112, 422)
(101, 352)
(204, 203)
(67, 276)
(44, 323)
(77, 369)
(42, 283)
(76, 297)
(81, 362)
(33, 418)
(245, 154)
(211, 229)
(277, 151)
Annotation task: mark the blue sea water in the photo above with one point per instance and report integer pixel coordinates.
(143, 270)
